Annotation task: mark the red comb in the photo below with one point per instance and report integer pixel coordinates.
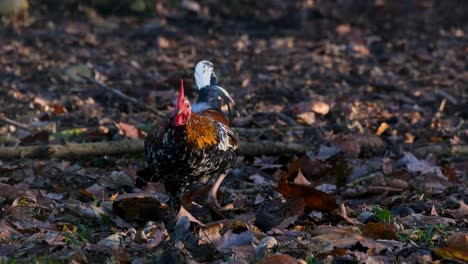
(180, 102)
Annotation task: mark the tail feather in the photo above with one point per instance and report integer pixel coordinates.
(210, 92)
(204, 74)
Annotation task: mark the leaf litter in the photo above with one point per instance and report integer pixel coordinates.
(382, 109)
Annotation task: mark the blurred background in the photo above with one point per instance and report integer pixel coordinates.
(368, 60)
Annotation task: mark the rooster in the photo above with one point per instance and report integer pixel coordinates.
(194, 142)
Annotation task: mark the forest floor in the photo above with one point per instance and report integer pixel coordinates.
(380, 99)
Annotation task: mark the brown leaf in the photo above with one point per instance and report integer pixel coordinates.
(278, 259)
(461, 212)
(301, 180)
(313, 199)
(7, 231)
(307, 118)
(450, 173)
(379, 231)
(320, 108)
(113, 197)
(309, 167)
(139, 206)
(58, 109)
(382, 128)
(430, 220)
(355, 145)
(163, 42)
(38, 138)
(455, 248)
(210, 234)
(339, 237)
(183, 212)
(130, 131)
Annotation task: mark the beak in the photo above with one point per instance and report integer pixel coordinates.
(179, 112)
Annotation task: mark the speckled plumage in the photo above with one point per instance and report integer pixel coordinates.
(192, 153)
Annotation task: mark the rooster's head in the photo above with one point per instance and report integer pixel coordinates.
(183, 108)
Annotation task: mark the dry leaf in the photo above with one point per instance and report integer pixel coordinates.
(183, 212)
(139, 206)
(450, 173)
(382, 128)
(163, 42)
(379, 231)
(58, 109)
(461, 212)
(130, 131)
(456, 248)
(278, 259)
(301, 180)
(337, 236)
(113, 197)
(355, 145)
(307, 118)
(320, 108)
(210, 234)
(314, 200)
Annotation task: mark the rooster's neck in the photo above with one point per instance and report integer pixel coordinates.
(201, 131)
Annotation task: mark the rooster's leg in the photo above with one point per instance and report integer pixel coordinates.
(188, 196)
(212, 200)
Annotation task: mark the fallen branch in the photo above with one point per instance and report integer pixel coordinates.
(6, 120)
(242, 132)
(133, 146)
(136, 146)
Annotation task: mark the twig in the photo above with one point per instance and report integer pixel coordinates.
(6, 120)
(134, 146)
(124, 96)
(241, 131)
(289, 120)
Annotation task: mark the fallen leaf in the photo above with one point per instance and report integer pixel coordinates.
(325, 152)
(210, 234)
(382, 128)
(456, 247)
(163, 42)
(356, 145)
(339, 237)
(307, 117)
(183, 212)
(38, 138)
(460, 213)
(130, 131)
(230, 239)
(414, 165)
(450, 173)
(140, 206)
(379, 231)
(278, 259)
(301, 180)
(77, 72)
(8, 232)
(430, 220)
(314, 200)
(113, 197)
(320, 108)
(58, 109)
